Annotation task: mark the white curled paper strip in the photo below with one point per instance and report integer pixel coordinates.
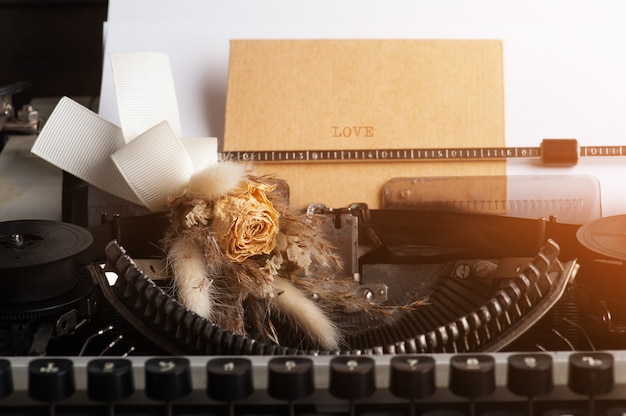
(202, 151)
(145, 92)
(144, 161)
(155, 164)
(80, 142)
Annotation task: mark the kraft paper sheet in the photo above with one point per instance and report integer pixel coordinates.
(364, 94)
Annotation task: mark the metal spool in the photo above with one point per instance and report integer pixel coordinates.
(37, 259)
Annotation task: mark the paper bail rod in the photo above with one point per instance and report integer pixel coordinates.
(551, 152)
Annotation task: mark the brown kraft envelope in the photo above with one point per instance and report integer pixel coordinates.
(364, 94)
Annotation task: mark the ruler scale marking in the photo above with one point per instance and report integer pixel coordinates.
(399, 154)
(566, 151)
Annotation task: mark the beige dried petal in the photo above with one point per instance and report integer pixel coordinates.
(281, 242)
(299, 256)
(273, 265)
(199, 214)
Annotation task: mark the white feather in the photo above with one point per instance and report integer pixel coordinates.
(192, 282)
(302, 311)
(217, 180)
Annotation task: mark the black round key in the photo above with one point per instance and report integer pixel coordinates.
(229, 379)
(167, 379)
(616, 411)
(472, 376)
(290, 378)
(352, 377)
(109, 380)
(566, 412)
(591, 373)
(412, 377)
(529, 375)
(50, 379)
(6, 378)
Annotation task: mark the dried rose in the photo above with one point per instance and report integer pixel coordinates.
(245, 224)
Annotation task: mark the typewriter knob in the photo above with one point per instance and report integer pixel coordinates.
(412, 377)
(591, 373)
(229, 379)
(51, 379)
(109, 380)
(472, 376)
(529, 375)
(290, 378)
(167, 379)
(6, 378)
(352, 377)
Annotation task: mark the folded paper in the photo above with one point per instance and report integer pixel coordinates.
(145, 92)
(162, 166)
(145, 160)
(80, 142)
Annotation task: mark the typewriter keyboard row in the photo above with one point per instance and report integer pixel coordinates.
(550, 384)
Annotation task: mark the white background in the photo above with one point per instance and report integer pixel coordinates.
(564, 61)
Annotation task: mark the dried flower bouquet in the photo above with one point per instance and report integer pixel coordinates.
(241, 257)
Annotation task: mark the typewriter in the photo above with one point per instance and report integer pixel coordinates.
(523, 316)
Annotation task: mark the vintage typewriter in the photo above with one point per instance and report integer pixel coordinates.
(523, 317)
